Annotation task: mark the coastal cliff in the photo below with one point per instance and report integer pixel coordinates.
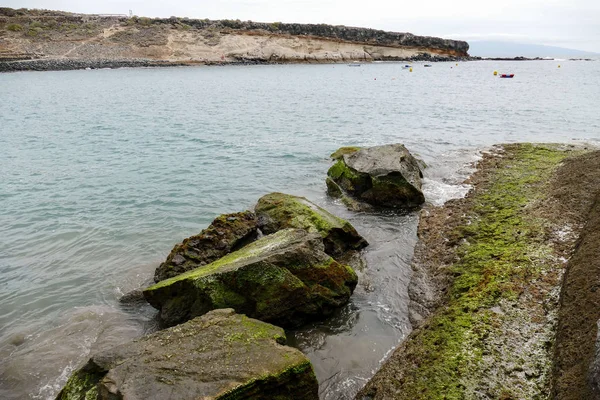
(40, 40)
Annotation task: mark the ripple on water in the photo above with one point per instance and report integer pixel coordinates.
(58, 348)
(97, 189)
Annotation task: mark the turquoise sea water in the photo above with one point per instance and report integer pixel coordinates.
(103, 171)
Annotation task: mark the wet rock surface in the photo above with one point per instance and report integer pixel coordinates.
(485, 294)
(227, 233)
(220, 355)
(382, 176)
(277, 211)
(576, 373)
(593, 385)
(71, 64)
(285, 278)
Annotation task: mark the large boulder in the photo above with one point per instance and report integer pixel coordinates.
(382, 176)
(285, 278)
(221, 355)
(227, 233)
(277, 211)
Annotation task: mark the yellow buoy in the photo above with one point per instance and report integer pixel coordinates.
(495, 73)
(410, 70)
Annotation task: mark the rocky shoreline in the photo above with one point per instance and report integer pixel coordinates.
(42, 40)
(495, 315)
(220, 293)
(490, 318)
(67, 65)
(70, 65)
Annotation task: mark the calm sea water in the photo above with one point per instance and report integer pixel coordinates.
(102, 172)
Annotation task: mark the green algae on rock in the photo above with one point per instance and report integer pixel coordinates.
(219, 356)
(227, 233)
(488, 319)
(339, 153)
(382, 176)
(276, 211)
(285, 278)
(83, 384)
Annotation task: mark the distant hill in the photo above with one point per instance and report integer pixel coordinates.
(43, 40)
(508, 49)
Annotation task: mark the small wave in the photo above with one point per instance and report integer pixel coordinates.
(80, 332)
(438, 193)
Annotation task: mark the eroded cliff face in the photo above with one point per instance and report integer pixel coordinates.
(30, 36)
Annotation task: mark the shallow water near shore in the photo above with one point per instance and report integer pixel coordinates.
(103, 171)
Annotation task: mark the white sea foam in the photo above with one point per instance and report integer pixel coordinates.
(437, 193)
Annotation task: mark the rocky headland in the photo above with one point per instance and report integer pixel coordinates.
(54, 40)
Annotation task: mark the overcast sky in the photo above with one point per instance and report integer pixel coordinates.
(566, 23)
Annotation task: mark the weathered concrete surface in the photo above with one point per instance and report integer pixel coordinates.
(285, 278)
(221, 355)
(227, 233)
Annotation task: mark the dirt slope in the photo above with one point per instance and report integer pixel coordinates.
(48, 35)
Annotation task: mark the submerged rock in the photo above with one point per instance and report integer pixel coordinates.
(135, 297)
(382, 176)
(220, 355)
(276, 211)
(227, 233)
(285, 278)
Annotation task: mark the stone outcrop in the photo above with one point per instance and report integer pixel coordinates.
(576, 371)
(220, 355)
(277, 211)
(40, 39)
(227, 233)
(382, 176)
(491, 267)
(285, 278)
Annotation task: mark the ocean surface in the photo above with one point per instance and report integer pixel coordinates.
(103, 171)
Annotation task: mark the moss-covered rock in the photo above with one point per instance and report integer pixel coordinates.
(339, 153)
(83, 384)
(227, 233)
(276, 211)
(219, 356)
(382, 176)
(285, 278)
(487, 274)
